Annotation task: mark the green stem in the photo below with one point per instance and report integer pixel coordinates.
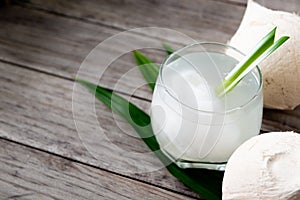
(262, 50)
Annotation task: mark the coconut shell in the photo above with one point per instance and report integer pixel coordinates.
(266, 167)
(281, 70)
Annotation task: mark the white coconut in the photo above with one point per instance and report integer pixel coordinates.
(266, 167)
(281, 70)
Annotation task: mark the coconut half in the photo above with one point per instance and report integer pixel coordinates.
(266, 167)
(281, 70)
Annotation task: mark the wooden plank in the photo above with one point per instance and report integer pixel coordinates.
(58, 45)
(287, 120)
(284, 5)
(26, 173)
(111, 13)
(36, 110)
(41, 45)
(44, 42)
(202, 19)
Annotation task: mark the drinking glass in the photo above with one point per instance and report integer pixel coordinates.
(194, 127)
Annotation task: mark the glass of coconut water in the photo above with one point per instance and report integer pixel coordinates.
(194, 127)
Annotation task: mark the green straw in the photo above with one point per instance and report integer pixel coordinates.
(262, 50)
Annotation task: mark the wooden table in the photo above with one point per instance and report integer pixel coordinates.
(42, 44)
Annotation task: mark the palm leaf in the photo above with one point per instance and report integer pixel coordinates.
(168, 49)
(205, 182)
(148, 68)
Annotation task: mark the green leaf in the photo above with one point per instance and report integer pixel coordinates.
(168, 49)
(262, 50)
(206, 183)
(148, 68)
(138, 119)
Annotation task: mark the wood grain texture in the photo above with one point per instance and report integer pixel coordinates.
(39, 37)
(57, 44)
(44, 41)
(284, 5)
(51, 42)
(36, 110)
(26, 173)
(275, 120)
(202, 19)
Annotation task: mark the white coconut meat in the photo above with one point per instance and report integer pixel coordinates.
(266, 167)
(281, 70)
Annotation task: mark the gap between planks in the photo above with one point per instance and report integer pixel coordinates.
(36, 153)
(29, 4)
(50, 46)
(87, 20)
(64, 77)
(30, 128)
(49, 74)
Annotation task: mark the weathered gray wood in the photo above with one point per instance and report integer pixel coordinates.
(285, 5)
(288, 120)
(58, 44)
(202, 19)
(45, 42)
(30, 174)
(36, 110)
(38, 107)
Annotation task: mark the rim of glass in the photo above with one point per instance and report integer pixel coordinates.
(217, 44)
